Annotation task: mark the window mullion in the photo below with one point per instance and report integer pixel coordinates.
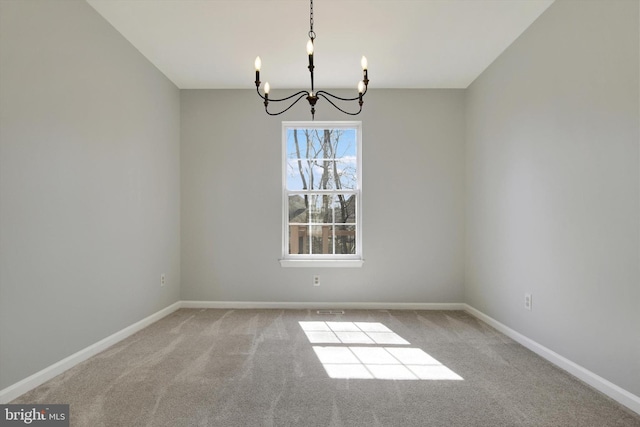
(310, 230)
(333, 224)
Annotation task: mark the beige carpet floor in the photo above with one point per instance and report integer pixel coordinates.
(299, 368)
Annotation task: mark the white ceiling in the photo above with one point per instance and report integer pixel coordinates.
(409, 43)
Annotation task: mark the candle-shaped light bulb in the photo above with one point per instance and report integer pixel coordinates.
(365, 64)
(360, 86)
(258, 64)
(267, 88)
(310, 47)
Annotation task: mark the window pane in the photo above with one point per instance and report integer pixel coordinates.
(298, 211)
(345, 173)
(321, 208)
(345, 208)
(298, 239)
(297, 174)
(323, 175)
(304, 143)
(345, 239)
(321, 159)
(319, 174)
(321, 239)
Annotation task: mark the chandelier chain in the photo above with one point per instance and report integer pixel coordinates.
(312, 34)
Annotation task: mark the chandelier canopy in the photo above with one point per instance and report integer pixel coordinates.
(312, 95)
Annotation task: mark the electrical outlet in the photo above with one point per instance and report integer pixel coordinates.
(163, 279)
(316, 280)
(528, 301)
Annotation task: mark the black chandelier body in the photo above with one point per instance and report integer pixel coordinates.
(313, 96)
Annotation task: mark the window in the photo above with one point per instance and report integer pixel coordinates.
(322, 194)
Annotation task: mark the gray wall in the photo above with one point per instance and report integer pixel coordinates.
(413, 200)
(89, 184)
(553, 186)
(97, 149)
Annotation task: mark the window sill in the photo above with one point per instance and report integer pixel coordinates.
(345, 263)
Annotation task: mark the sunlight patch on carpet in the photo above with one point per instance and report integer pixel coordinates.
(380, 353)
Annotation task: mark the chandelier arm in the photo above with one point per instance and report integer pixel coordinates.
(321, 95)
(339, 97)
(304, 93)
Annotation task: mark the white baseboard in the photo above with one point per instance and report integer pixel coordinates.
(615, 392)
(323, 305)
(13, 391)
(31, 382)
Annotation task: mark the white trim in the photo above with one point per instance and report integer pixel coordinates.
(21, 387)
(346, 263)
(323, 305)
(615, 392)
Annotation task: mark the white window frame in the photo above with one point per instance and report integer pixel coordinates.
(321, 260)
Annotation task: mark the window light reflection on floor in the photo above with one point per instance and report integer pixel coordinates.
(368, 354)
(350, 333)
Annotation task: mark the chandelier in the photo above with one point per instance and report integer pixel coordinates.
(312, 95)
